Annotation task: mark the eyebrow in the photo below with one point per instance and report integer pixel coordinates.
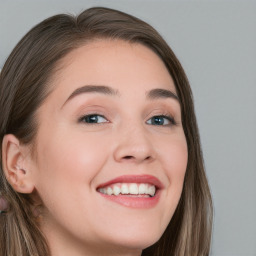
(102, 89)
(161, 94)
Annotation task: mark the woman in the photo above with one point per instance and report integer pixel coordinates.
(100, 146)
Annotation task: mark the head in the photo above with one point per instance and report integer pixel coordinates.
(33, 80)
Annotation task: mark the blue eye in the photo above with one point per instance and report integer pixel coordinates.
(161, 120)
(93, 119)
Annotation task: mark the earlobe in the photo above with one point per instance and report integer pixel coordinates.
(16, 169)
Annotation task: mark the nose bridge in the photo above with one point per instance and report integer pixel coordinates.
(134, 143)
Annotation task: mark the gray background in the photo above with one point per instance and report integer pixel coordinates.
(216, 44)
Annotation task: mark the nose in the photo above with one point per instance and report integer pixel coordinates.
(134, 145)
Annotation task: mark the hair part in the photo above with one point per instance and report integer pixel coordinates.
(25, 82)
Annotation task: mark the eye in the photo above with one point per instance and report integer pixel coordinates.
(93, 119)
(161, 120)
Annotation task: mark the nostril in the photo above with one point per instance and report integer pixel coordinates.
(128, 157)
(132, 157)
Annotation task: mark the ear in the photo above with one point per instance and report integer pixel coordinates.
(15, 160)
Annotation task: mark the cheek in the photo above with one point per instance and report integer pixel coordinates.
(67, 166)
(68, 160)
(174, 158)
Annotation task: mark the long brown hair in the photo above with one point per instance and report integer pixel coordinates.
(25, 83)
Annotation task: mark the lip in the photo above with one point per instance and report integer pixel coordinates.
(134, 179)
(133, 201)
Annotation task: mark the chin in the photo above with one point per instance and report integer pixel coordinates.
(134, 240)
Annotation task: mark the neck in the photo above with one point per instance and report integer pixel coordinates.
(93, 251)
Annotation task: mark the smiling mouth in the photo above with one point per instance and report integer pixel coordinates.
(129, 189)
(135, 191)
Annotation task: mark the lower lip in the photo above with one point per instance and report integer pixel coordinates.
(134, 202)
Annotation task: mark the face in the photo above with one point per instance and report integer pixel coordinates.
(111, 151)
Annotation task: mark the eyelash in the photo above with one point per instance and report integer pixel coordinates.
(83, 119)
(169, 118)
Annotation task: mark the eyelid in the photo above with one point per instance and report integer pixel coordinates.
(162, 110)
(169, 117)
(81, 118)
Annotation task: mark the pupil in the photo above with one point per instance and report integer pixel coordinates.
(92, 119)
(158, 121)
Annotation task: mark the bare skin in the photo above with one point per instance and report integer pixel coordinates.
(91, 136)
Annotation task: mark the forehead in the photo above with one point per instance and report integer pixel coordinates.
(115, 63)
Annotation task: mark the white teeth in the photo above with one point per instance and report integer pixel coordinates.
(116, 190)
(142, 188)
(129, 188)
(109, 191)
(133, 189)
(152, 190)
(124, 189)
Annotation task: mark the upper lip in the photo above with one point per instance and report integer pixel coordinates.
(134, 179)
